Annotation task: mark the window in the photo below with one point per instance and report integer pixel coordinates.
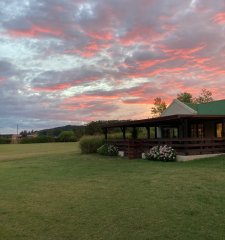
(219, 127)
(194, 130)
(200, 130)
(152, 132)
(170, 132)
(197, 130)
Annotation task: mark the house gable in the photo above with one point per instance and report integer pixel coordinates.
(178, 107)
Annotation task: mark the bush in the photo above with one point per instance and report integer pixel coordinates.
(66, 136)
(161, 153)
(108, 150)
(40, 139)
(5, 140)
(90, 144)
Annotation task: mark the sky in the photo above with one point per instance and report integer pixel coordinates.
(75, 61)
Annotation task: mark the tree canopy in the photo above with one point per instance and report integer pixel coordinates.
(66, 136)
(159, 106)
(186, 97)
(205, 96)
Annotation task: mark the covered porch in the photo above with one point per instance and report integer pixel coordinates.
(187, 134)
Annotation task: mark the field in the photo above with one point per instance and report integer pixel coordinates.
(51, 191)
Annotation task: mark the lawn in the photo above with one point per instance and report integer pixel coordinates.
(57, 193)
(18, 151)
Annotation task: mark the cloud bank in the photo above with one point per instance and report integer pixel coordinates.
(74, 61)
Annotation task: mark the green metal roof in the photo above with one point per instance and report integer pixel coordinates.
(210, 108)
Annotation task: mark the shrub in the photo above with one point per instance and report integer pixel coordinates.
(161, 153)
(108, 150)
(66, 136)
(5, 140)
(40, 139)
(103, 150)
(90, 144)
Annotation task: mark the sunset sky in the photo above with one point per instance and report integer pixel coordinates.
(74, 61)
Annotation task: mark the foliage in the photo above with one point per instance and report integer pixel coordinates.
(58, 133)
(161, 153)
(159, 106)
(55, 132)
(66, 136)
(205, 96)
(90, 144)
(39, 139)
(95, 127)
(108, 150)
(185, 97)
(78, 132)
(4, 140)
(119, 135)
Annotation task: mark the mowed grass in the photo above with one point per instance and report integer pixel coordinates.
(73, 196)
(18, 151)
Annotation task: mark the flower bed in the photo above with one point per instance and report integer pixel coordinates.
(161, 153)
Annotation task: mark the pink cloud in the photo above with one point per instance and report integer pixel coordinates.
(142, 34)
(183, 52)
(36, 31)
(219, 18)
(2, 79)
(63, 86)
(56, 87)
(104, 35)
(89, 50)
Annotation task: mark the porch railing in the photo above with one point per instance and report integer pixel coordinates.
(183, 146)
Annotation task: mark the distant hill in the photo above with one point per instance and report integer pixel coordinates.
(92, 128)
(57, 130)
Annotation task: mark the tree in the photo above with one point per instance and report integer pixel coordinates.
(66, 136)
(205, 96)
(185, 97)
(159, 106)
(94, 128)
(24, 133)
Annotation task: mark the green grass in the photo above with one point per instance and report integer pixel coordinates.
(18, 151)
(66, 195)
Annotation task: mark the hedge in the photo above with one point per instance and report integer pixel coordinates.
(90, 144)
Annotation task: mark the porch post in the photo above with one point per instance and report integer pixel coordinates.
(134, 133)
(124, 132)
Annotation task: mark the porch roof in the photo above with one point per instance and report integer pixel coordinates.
(162, 120)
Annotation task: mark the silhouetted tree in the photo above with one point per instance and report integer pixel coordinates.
(66, 136)
(205, 96)
(185, 97)
(159, 106)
